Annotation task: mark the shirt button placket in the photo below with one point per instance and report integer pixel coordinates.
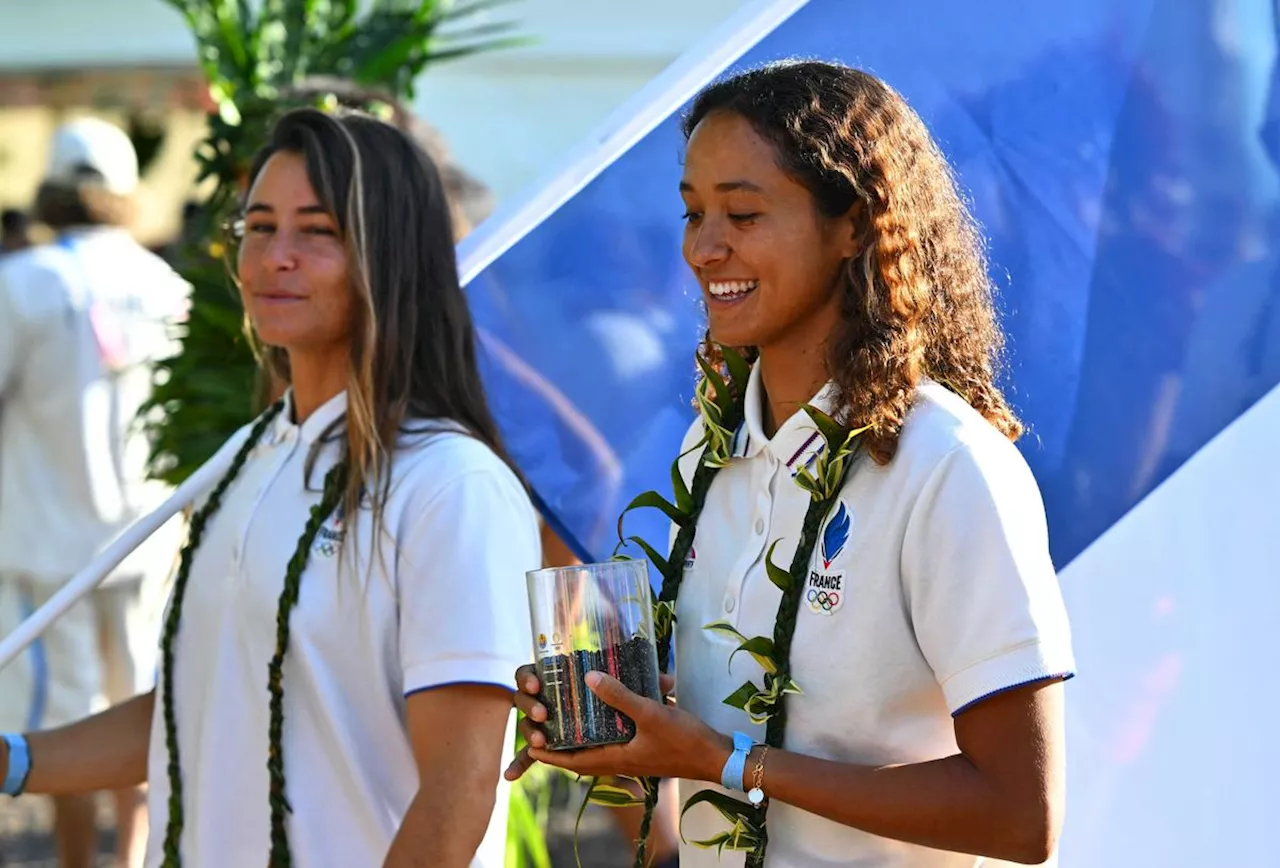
(283, 446)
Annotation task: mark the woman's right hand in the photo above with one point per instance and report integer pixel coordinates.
(533, 714)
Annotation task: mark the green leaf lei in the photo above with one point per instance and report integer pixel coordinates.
(720, 402)
(334, 486)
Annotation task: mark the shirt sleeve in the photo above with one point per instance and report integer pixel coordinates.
(464, 609)
(978, 579)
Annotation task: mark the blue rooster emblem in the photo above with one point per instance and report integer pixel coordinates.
(835, 536)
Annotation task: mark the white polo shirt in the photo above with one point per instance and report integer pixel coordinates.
(931, 588)
(447, 604)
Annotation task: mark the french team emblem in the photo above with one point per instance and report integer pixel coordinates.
(825, 591)
(329, 537)
(835, 536)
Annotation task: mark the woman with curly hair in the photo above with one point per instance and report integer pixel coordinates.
(899, 701)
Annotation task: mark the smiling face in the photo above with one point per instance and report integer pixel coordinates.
(769, 264)
(292, 266)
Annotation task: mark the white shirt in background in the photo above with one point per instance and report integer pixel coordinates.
(80, 322)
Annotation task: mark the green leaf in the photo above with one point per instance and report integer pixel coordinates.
(525, 833)
(725, 628)
(653, 500)
(708, 409)
(654, 558)
(342, 14)
(577, 821)
(294, 56)
(833, 474)
(739, 369)
(232, 42)
(383, 65)
(716, 842)
(833, 433)
(780, 577)
(759, 708)
(702, 442)
(715, 461)
(736, 839)
(780, 686)
(723, 398)
(459, 10)
(684, 499)
(806, 480)
(610, 796)
(664, 618)
(244, 17)
(740, 697)
(440, 55)
(733, 810)
(761, 649)
(479, 33)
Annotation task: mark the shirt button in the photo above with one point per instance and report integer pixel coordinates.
(729, 603)
(759, 526)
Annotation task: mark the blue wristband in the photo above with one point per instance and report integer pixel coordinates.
(736, 765)
(19, 764)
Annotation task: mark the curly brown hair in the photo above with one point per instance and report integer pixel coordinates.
(918, 302)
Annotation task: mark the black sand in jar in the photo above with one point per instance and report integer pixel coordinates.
(576, 717)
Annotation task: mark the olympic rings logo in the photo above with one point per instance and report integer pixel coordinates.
(825, 600)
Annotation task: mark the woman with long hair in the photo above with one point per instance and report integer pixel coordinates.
(349, 604)
(869, 632)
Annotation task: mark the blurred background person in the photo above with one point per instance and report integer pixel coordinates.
(81, 319)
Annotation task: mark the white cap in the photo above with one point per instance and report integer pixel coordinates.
(98, 145)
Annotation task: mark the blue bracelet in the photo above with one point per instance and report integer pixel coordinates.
(736, 765)
(19, 764)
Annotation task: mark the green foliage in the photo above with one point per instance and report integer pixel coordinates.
(255, 57)
(528, 811)
(744, 832)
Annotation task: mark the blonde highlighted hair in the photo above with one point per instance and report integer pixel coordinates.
(412, 341)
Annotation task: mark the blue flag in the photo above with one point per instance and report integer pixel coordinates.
(1121, 158)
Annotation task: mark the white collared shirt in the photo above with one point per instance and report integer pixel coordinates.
(444, 602)
(930, 588)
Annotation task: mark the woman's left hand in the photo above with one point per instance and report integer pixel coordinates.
(669, 743)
